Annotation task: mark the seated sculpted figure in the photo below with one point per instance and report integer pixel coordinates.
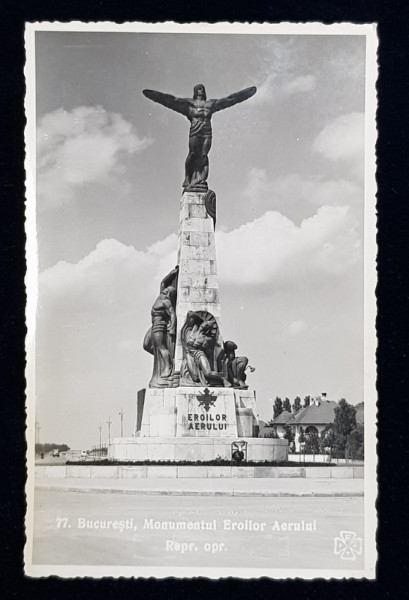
(199, 337)
(235, 366)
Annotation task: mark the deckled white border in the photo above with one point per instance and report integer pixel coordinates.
(370, 278)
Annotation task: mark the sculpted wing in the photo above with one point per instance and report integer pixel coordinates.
(233, 99)
(180, 105)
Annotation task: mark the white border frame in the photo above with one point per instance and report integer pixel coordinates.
(370, 278)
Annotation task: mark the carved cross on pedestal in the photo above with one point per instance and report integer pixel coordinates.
(206, 399)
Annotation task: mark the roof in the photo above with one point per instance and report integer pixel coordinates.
(282, 418)
(322, 413)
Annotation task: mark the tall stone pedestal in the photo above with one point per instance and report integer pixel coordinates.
(197, 281)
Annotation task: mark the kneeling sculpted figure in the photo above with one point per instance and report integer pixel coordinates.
(200, 351)
(235, 366)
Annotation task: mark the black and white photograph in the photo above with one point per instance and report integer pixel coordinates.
(201, 275)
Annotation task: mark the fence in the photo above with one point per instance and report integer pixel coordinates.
(320, 458)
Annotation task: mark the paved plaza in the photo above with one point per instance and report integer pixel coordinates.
(296, 486)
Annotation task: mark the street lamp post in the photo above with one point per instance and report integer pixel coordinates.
(100, 444)
(109, 430)
(121, 414)
(37, 434)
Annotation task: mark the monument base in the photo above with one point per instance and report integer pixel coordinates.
(196, 449)
(198, 412)
(197, 424)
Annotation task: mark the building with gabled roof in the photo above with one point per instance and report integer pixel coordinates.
(281, 421)
(283, 418)
(313, 419)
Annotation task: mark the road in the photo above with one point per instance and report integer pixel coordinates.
(73, 528)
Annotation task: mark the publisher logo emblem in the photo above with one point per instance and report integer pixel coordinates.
(348, 546)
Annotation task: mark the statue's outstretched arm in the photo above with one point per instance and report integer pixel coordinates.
(233, 99)
(180, 105)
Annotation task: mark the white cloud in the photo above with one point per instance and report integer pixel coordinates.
(267, 90)
(92, 318)
(348, 64)
(343, 140)
(81, 147)
(301, 84)
(257, 183)
(276, 87)
(298, 196)
(109, 278)
(272, 249)
(296, 327)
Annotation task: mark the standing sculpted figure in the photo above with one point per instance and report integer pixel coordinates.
(199, 111)
(160, 338)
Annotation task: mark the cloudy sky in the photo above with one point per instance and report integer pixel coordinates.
(287, 168)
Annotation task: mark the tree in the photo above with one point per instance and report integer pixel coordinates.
(297, 404)
(288, 433)
(301, 435)
(344, 435)
(307, 401)
(344, 423)
(287, 405)
(328, 439)
(278, 407)
(289, 436)
(49, 447)
(312, 443)
(355, 443)
(273, 430)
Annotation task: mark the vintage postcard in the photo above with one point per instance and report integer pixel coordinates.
(201, 246)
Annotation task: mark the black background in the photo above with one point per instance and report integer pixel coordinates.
(393, 293)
